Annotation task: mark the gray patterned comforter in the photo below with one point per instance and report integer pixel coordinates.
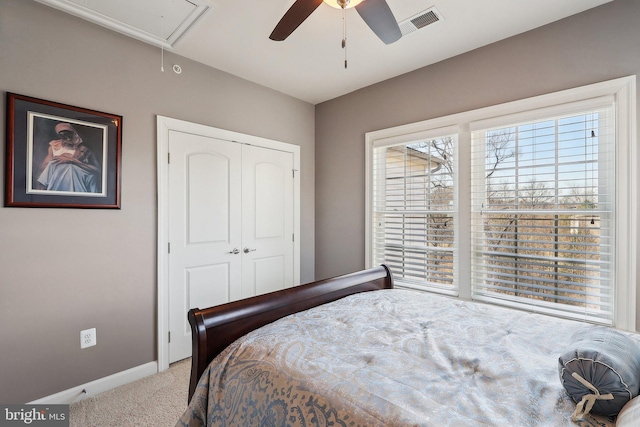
(391, 358)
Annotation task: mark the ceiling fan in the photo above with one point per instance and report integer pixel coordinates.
(375, 13)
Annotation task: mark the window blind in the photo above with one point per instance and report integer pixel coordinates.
(543, 200)
(414, 212)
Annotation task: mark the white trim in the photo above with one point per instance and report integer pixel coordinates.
(626, 201)
(623, 90)
(565, 108)
(368, 199)
(164, 126)
(101, 385)
(416, 136)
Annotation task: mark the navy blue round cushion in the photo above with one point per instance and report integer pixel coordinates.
(607, 359)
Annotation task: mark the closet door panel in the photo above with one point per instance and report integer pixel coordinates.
(267, 220)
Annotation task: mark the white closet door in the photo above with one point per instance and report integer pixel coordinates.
(267, 220)
(204, 230)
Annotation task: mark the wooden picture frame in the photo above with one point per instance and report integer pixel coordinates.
(61, 156)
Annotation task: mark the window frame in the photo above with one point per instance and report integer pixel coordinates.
(481, 260)
(403, 140)
(623, 90)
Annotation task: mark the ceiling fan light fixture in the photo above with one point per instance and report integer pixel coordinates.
(337, 5)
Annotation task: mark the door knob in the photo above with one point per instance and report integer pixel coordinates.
(247, 250)
(235, 251)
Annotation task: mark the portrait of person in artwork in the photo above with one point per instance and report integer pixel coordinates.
(69, 164)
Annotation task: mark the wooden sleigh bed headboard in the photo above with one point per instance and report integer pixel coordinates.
(215, 328)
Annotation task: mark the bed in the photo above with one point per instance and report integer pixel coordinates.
(355, 351)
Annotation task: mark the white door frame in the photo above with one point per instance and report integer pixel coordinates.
(164, 126)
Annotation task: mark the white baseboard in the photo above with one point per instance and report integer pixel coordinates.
(98, 386)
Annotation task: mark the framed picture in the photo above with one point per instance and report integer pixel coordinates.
(61, 156)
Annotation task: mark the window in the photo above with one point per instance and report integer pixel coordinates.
(543, 213)
(415, 211)
(529, 204)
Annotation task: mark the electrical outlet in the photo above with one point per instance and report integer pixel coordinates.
(88, 338)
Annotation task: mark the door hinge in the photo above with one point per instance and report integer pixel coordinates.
(168, 157)
(169, 336)
(294, 172)
(168, 247)
(293, 237)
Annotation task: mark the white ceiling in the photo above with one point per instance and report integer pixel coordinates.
(233, 36)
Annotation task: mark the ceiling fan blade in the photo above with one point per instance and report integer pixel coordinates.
(378, 16)
(295, 16)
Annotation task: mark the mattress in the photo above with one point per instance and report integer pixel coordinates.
(392, 357)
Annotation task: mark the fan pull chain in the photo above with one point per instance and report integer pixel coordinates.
(162, 46)
(344, 35)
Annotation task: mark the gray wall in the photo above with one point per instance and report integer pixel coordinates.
(596, 45)
(64, 270)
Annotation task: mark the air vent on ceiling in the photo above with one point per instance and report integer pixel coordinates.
(420, 20)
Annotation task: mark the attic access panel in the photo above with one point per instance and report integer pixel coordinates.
(158, 22)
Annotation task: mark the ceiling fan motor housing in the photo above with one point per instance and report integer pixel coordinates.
(376, 14)
(343, 4)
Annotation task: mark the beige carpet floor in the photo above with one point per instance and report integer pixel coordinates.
(155, 401)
